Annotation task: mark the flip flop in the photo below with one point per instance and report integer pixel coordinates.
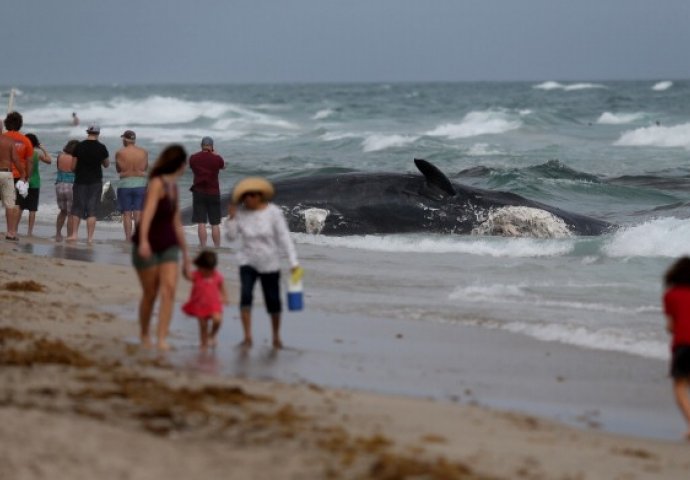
(11, 239)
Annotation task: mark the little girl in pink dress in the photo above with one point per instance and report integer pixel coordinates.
(207, 298)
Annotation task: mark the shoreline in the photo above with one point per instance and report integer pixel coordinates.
(604, 390)
(86, 388)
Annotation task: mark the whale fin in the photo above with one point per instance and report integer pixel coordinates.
(434, 177)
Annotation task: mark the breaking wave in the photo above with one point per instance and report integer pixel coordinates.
(662, 237)
(486, 122)
(569, 87)
(374, 143)
(657, 136)
(608, 118)
(661, 86)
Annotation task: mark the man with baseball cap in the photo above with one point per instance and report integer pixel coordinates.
(206, 166)
(131, 162)
(90, 156)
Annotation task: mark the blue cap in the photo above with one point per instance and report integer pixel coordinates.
(207, 142)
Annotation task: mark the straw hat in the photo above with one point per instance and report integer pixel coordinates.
(252, 184)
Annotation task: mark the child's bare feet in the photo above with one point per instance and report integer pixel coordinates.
(246, 343)
(145, 341)
(212, 342)
(163, 345)
(277, 343)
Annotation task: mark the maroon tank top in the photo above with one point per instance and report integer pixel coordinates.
(162, 230)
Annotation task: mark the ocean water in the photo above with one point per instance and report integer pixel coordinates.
(614, 150)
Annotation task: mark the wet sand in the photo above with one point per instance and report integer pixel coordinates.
(74, 385)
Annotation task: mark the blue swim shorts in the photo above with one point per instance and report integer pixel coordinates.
(131, 199)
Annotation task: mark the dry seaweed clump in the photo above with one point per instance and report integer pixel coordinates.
(44, 351)
(398, 467)
(9, 333)
(24, 286)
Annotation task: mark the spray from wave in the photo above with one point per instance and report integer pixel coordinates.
(567, 87)
(657, 136)
(661, 86)
(662, 237)
(476, 123)
(374, 143)
(608, 118)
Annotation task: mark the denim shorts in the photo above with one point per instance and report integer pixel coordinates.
(171, 254)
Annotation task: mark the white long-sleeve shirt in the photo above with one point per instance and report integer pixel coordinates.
(262, 234)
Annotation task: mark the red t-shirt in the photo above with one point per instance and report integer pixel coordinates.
(677, 307)
(206, 166)
(25, 151)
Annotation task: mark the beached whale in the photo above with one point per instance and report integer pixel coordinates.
(380, 203)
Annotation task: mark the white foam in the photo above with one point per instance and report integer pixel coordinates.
(609, 339)
(608, 118)
(376, 142)
(662, 237)
(476, 123)
(483, 150)
(522, 222)
(551, 85)
(661, 86)
(322, 114)
(657, 136)
(315, 220)
(494, 247)
(335, 136)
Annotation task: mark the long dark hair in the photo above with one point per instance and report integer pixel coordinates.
(70, 146)
(169, 161)
(678, 274)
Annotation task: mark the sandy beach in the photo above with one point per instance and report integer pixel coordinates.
(81, 400)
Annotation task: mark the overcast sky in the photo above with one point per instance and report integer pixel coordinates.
(235, 41)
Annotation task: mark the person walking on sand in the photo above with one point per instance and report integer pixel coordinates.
(157, 243)
(206, 166)
(207, 298)
(131, 162)
(677, 309)
(262, 231)
(13, 123)
(9, 159)
(30, 202)
(64, 181)
(90, 157)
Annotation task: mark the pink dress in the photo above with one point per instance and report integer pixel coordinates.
(205, 299)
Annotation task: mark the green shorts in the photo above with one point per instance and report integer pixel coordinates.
(171, 254)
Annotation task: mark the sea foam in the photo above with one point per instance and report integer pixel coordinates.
(493, 247)
(657, 136)
(608, 118)
(323, 114)
(476, 123)
(567, 88)
(662, 237)
(376, 142)
(661, 86)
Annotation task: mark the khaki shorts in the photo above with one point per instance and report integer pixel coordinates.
(7, 190)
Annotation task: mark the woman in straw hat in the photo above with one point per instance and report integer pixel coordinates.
(262, 231)
(158, 242)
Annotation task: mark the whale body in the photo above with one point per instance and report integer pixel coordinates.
(363, 203)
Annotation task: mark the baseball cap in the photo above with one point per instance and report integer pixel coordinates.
(129, 135)
(93, 128)
(207, 142)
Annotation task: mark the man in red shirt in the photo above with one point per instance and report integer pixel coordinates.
(9, 159)
(206, 166)
(25, 151)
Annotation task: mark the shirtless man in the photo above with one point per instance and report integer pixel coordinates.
(9, 157)
(131, 162)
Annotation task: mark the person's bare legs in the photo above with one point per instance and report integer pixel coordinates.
(32, 222)
(681, 387)
(17, 220)
(215, 235)
(166, 290)
(9, 218)
(201, 230)
(90, 229)
(74, 220)
(59, 223)
(216, 321)
(246, 316)
(149, 279)
(275, 324)
(127, 225)
(203, 332)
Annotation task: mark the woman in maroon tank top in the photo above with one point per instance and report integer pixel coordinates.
(158, 241)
